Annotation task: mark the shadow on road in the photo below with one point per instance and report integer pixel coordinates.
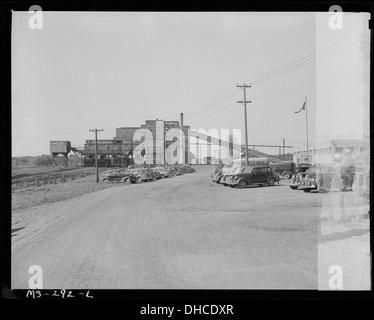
(15, 230)
(342, 235)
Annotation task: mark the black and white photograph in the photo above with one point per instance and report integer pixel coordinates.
(221, 150)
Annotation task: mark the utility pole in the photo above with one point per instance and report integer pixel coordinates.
(307, 138)
(244, 86)
(198, 150)
(97, 168)
(181, 142)
(284, 148)
(131, 156)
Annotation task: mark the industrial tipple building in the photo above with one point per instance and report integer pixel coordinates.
(123, 148)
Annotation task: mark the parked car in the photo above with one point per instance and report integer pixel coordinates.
(318, 178)
(235, 171)
(141, 174)
(119, 175)
(216, 176)
(188, 168)
(302, 167)
(162, 171)
(176, 171)
(284, 169)
(182, 169)
(223, 179)
(228, 173)
(156, 174)
(256, 175)
(296, 180)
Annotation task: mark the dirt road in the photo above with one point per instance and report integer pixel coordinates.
(183, 232)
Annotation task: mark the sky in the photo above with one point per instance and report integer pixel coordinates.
(106, 70)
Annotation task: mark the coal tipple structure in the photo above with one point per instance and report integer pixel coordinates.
(122, 149)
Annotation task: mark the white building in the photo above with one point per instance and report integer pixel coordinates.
(330, 151)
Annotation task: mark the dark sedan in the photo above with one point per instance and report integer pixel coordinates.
(141, 174)
(122, 176)
(257, 175)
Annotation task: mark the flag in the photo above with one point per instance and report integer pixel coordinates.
(302, 108)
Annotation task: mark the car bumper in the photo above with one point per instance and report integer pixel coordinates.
(295, 185)
(310, 188)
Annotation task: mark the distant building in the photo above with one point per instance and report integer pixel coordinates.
(330, 151)
(159, 129)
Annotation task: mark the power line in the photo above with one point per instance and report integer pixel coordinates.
(310, 58)
(207, 104)
(271, 74)
(46, 135)
(323, 25)
(208, 108)
(273, 93)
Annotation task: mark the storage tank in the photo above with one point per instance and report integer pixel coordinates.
(60, 146)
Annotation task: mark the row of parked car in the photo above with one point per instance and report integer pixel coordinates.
(138, 175)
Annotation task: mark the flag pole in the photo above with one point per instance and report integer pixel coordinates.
(307, 139)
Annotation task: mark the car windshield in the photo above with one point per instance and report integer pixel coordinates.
(238, 170)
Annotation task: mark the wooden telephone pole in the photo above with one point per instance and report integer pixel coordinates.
(97, 168)
(244, 86)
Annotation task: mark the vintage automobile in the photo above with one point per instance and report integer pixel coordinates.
(223, 179)
(162, 171)
(216, 176)
(284, 169)
(175, 170)
(154, 175)
(318, 178)
(229, 173)
(296, 180)
(188, 168)
(228, 177)
(254, 175)
(141, 174)
(157, 175)
(119, 175)
(302, 167)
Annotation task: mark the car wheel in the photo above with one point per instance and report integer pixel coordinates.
(293, 187)
(306, 190)
(105, 180)
(242, 183)
(271, 181)
(162, 176)
(126, 180)
(139, 179)
(286, 175)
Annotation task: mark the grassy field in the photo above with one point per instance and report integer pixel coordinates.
(33, 186)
